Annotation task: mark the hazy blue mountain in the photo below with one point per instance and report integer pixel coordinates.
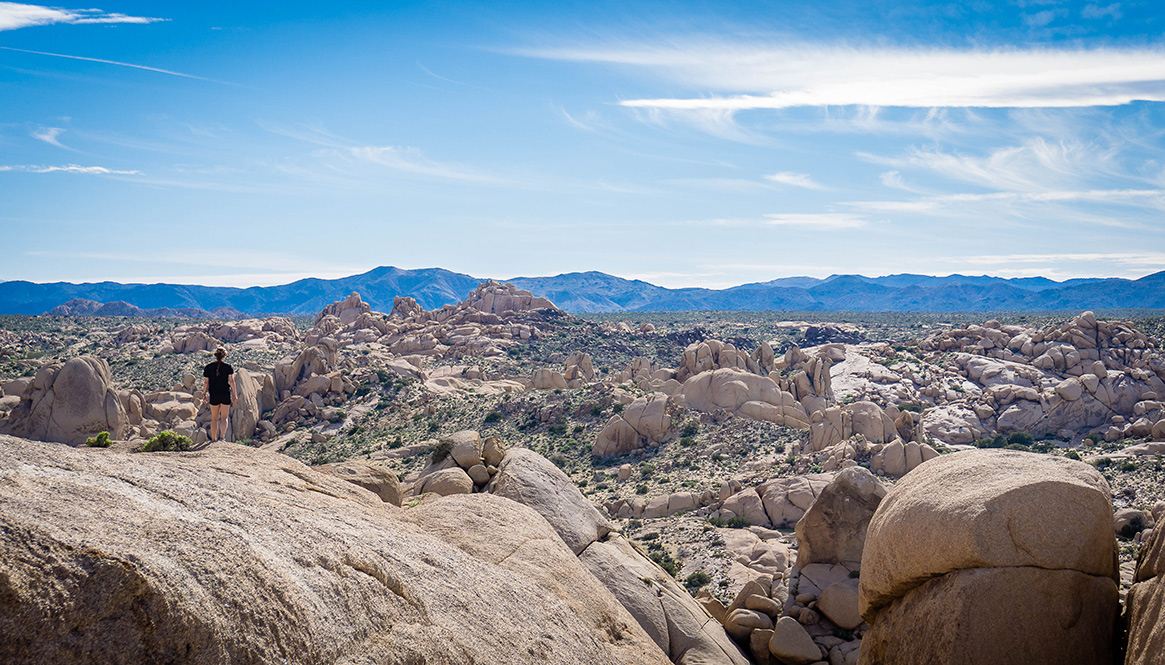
(600, 292)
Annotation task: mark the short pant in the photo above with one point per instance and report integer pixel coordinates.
(223, 398)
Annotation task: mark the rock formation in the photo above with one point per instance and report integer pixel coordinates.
(991, 557)
(69, 403)
(232, 554)
(1145, 603)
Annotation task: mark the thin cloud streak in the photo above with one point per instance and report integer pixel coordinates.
(801, 180)
(119, 64)
(68, 168)
(825, 221)
(813, 75)
(14, 15)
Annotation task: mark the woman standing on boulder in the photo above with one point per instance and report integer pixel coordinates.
(219, 387)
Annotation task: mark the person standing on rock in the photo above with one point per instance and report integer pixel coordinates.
(219, 389)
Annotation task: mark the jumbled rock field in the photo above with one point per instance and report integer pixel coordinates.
(499, 481)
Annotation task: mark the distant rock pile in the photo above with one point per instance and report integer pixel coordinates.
(83, 307)
(68, 403)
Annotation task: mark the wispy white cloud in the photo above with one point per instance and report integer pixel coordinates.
(115, 62)
(768, 76)
(68, 168)
(14, 15)
(822, 221)
(412, 160)
(802, 180)
(1036, 165)
(1123, 258)
(49, 135)
(1096, 11)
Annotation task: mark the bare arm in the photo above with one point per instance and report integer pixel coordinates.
(234, 391)
(205, 386)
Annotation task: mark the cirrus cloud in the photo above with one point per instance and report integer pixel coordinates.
(14, 15)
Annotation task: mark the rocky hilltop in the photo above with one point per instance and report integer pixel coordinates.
(762, 491)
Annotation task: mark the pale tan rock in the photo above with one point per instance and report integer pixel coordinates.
(741, 622)
(1145, 604)
(68, 403)
(791, 644)
(675, 620)
(768, 606)
(530, 479)
(266, 561)
(833, 530)
(748, 505)
(758, 646)
(839, 603)
(479, 474)
(648, 416)
(985, 509)
(624, 471)
(452, 480)
(1021, 615)
(493, 451)
(1070, 389)
(466, 450)
(616, 438)
(379, 480)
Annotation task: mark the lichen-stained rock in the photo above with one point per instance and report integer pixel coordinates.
(531, 479)
(1145, 604)
(231, 554)
(675, 620)
(68, 403)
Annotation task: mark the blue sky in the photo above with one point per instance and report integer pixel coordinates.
(685, 143)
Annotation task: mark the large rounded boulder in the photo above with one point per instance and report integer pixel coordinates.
(991, 556)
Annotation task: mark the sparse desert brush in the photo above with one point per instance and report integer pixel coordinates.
(440, 451)
(697, 579)
(99, 441)
(167, 441)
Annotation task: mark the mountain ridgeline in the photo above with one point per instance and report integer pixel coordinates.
(595, 292)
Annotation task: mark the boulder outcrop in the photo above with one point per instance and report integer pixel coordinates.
(970, 546)
(259, 559)
(1145, 604)
(68, 403)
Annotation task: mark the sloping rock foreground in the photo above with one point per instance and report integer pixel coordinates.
(235, 555)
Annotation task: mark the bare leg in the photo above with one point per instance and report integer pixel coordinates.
(214, 411)
(224, 410)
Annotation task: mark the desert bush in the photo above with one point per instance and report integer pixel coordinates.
(690, 430)
(167, 441)
(1135, 526)
(440, 451)
(641, 489)
(1022, 438)
(99, 441)
(1072, 454)
(697, 579)
(492, 417)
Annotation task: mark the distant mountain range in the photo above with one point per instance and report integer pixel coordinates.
(598, 292)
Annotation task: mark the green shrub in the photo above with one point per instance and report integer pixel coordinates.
(1072, 454)
(665, 561)
(687, 442)
(641, 489)
(634, 524)
(433, 426)
(1016, 446)
(167, 441)
(738, 522)
(617, 408)
(492, 417)
(652, 535)
(907, 406)
(99, 441)
(557, 430)
(440, 451)
(646, 469)
(1135, 526)
(690, 430)
(1022, 438)
(997, 442)
(597, 410)
(1127, 465)
(697, 579)
(1103, 463)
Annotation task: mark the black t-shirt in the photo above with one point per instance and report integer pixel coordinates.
(219, 374)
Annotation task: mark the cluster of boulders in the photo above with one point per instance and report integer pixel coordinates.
(1086, 374)
(271, 332)
(805, 611)
(680, 627)
(67, 403)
